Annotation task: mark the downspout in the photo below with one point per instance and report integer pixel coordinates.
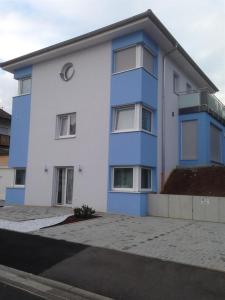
(163, 115)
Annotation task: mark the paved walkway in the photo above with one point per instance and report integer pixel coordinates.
(24, 213)
(189, 242)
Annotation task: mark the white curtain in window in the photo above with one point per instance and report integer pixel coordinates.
(63, 125)
(124, 118)
(123, 177)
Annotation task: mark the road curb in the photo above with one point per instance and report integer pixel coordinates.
(44, 287)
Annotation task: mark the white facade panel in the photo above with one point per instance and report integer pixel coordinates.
(87, 94)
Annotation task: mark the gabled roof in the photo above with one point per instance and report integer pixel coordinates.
(4, 115)
(146, 21)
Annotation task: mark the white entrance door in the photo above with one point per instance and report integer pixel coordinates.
(64, 185)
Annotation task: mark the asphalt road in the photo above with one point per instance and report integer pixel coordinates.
(8, 292)
(107, 272)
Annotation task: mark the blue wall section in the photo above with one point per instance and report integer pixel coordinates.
(18, 152)
(204, 156)
(134, 86)
(15, 196)
(23, 72)
(133, 148)
(19, 131)
(134, 204)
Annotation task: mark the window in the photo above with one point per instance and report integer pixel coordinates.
(132, 179)
(125, 59)
(124, 118)
(188, 87)
(66, 125)
(189, 140)
(175, 83)
(146, 119)
(123, 178)
(132, 118)
(215, 144)
(147, 60)
(133, 57)
(20, 175)
(146, 178)
(25, 86)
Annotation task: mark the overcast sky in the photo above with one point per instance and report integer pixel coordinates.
(28, 25)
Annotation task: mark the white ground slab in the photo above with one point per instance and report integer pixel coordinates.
(31, 225)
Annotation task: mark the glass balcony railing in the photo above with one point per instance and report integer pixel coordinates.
(202, 101)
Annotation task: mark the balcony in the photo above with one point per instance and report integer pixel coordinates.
(202, 102)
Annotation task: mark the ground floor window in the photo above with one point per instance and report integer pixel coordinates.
(146, 178)
(134, 179)
(64, 185)
(20, 175)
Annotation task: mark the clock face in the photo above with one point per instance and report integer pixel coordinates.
(67, 72)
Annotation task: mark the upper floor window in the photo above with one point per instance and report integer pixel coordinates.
(146, 119)
(134, 117)
(124, 118)
(125, 59)
(20, 175)
(133, 57)
(66, 125)
(176, 81)
(188, 87)
(147, 60)
(25, 86)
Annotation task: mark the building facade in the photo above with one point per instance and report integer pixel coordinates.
(104, 118)
(5, 124)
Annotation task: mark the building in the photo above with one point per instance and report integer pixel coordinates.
(103, 118)
(5, 122)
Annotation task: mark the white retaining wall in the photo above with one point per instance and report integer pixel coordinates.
(6, 180)
(200, 208)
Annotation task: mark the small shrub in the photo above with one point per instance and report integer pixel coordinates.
(83, 212)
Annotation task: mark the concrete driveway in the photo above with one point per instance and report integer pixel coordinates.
(189, 242)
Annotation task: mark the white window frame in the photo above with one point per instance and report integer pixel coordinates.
(136, 179)
(59, 122)
(139, 184)
(14, 180)
(142, 59)
(148, 109)
(116, 109)
(20, 85)
(139, 58)
(65, 190)
(137, 118)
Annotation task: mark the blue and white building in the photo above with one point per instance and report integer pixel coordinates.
(103, 118)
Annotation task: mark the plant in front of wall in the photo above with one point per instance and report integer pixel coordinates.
(84, 212)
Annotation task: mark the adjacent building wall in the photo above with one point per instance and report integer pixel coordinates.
(171, 115)
(87, 94)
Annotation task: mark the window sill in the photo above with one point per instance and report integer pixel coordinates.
(130, 191)
(65, 137)
(136, 130)
(140, 67)
(16, 187)
(23, 95)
